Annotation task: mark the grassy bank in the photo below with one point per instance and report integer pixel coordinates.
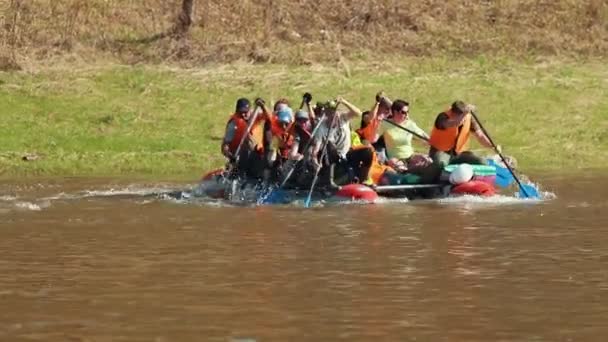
(164, 122)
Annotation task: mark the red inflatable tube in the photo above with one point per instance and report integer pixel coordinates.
(357, 192)
(474, 187)
(212, 174)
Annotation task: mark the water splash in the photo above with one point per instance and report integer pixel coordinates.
(247, 194)
(493, 200)
(28, 206)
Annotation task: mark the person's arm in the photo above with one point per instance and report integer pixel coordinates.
(443, 121)
(481, 137)
(316, 146)
(307, 99)
(383, 99)
(266, 113)
(373, 114)
(380, 130)
(268, 136)
(313, 157)
(353, 111)
(293, 153)
(317, 142)
(311, 113)
(420, 131)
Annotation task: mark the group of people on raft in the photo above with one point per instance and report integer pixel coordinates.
(291, 148)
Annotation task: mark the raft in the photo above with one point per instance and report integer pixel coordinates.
(214, 185)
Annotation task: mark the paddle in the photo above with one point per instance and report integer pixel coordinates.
(323, 153)
(278, 193)
(504, 178)
(312, 135)
(305, 100)
(407, 130)
(527, 191)
(232, 173)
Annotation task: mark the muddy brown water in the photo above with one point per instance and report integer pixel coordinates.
(82, 262)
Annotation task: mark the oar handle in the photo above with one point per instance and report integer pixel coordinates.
(421, 137)
(323, 153)
(521, 187)
(237, 155)
(308, 143)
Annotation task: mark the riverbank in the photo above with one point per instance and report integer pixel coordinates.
(159, 121)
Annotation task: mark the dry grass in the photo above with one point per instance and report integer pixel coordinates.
(299, 31)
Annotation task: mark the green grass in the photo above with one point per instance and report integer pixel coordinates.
(162, 122)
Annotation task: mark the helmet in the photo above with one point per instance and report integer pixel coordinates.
(285, 115)
(331, 104)
(461, 174)
(302, 115)
(242, 105)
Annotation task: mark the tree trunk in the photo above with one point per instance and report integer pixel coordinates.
(184, 20)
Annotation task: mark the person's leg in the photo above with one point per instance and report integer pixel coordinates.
(429, 174)
(360, 160)
(367, 157)
(425, 168)
(381, 153)
(468, 157)
(244, 164)
(329, 165)
(258, 165)
(440, 158)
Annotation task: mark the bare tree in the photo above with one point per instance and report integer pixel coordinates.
(184, 20)
(178, 31)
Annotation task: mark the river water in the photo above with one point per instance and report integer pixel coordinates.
(103, 260)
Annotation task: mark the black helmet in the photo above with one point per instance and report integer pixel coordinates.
(242, 105)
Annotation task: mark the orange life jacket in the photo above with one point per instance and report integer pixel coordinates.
(376, 170)
(452, 138)
(241, 129)
(369, 132)
(284, 136)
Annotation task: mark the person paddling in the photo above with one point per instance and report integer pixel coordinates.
(337, 124)
(399, 141)
(281, 140)
(450, 136)
(238, 138)
(370, 121)
(302, 128)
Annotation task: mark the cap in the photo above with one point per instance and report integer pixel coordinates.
(302, 114)
(285, 115)
(242, 105)
(331, 104)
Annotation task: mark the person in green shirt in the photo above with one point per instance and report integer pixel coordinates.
(398, 142)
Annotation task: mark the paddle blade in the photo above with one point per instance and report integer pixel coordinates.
(276, 196)
(307, 202)
(529, 191)
(504, 178)
(233, 189)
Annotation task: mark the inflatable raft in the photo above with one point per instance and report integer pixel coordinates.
(456, 180)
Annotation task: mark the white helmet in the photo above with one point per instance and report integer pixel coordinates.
(461, 174)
